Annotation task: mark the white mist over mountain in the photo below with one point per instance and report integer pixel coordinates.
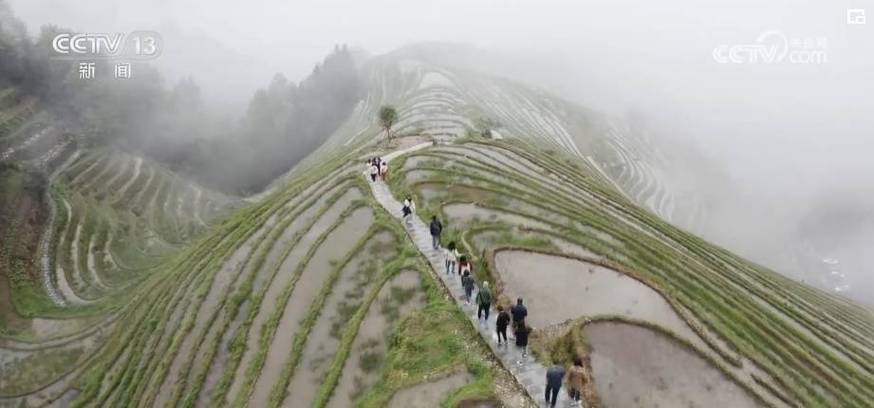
(790, 140)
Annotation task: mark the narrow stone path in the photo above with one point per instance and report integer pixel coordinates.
(527, 371)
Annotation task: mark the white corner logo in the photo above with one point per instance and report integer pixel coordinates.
(856, 16)
(138, 45)
(773, 47)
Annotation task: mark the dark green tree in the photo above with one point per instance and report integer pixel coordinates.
(388, 116)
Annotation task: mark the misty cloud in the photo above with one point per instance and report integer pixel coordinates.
(790, 143)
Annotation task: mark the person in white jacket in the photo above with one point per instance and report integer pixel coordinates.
(374, 171)
(452, 255)
(383, 169)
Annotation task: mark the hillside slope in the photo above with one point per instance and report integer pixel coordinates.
(315, 295)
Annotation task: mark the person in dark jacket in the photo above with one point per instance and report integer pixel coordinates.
(436, 229)
(483, 301)
(554, 377)
(501, 324)
(467, 282)
(408, 209)
(519, 312)
(521, 332)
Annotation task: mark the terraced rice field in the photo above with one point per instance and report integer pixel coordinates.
(669, 375)
(15, 111)
(164, 293)
(111, 226)
(292, 301)
(530, 219)
(444, 103)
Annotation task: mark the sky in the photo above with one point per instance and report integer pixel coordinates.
(792, 137)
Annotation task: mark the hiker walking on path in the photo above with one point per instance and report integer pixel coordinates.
(521, 367)
(521, 332)
(374, 170)
(554, 376)
(451, 254)
(575, 378)
(484, 301)
(501, 324)
(519, 312)
(383, 169)
(436, 229)
(463, 265)
(467, 283)
(409, 207)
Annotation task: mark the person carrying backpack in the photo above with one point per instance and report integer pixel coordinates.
(501, 324)
(467, 283)
(484, 301)
(436, 229)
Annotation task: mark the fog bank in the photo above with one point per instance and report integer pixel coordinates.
(791, 138)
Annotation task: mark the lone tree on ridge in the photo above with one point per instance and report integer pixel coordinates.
(388, 115)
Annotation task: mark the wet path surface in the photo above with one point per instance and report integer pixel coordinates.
(528, 372)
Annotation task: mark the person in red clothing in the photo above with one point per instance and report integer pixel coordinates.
(464, 265)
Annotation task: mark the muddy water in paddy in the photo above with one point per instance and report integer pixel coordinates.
(338, 243)
(227, 275)
(74, 259)
(488, 157)
(487, 239)
(557, 289)
(373, 336)
(402, 143)
(221, 359)
(25, 371)
(415, 176)
(47, 328)
(283, 277)
(415, 162)
(64, 284)
(355, 281)
(429, 394)
(459, 213)
(56, 395)
(469, 211)
(503, 159)
(462, 213)
(638, 367)
(430, 191)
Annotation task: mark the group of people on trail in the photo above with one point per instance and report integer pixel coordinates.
(555, 375)
(377, 168)
(458, 264)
